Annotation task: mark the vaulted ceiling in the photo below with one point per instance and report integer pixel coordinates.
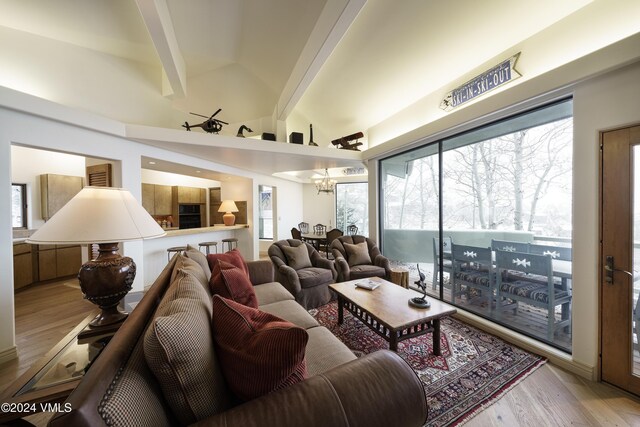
(343, 65)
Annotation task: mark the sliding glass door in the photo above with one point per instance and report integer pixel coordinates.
(504, 186)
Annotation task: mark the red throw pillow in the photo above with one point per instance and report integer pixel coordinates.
(258, 352)
(231, 282)
(232, 257)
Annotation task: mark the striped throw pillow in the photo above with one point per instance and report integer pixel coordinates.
(230, 282)
(232, 257)
(258, 352)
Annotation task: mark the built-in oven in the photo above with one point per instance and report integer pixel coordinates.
(189, 216)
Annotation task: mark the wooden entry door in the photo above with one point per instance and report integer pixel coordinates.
(620, 252)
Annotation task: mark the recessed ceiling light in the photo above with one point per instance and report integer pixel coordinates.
(152, 163)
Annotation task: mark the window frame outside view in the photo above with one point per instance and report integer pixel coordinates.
(352, 206)
(265, 194)
(510, 180)
(18, 209)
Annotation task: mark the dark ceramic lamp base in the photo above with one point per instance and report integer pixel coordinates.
(105, 281)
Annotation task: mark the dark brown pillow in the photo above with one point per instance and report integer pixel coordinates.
(231, 282)
(297, 256)
(259, 352)
(357, 254)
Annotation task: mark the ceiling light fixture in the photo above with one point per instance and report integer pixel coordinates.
(326, 185)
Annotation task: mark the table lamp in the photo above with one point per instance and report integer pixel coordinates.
(228, 206)
(106, 216)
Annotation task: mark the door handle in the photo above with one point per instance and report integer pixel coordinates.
(608, 266)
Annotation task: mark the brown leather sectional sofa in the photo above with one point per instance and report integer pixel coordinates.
(379, 389)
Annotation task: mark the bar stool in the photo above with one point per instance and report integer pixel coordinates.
(230, 241)
(175, 249)
(207, 246)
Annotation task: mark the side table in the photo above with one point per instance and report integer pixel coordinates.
(52, 378)
(400, 276)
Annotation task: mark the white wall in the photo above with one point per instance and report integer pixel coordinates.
(86, 79)
(318, 208)
(36, 123)
(7, 316)
(548, 50)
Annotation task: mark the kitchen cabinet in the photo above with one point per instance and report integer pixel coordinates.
(190, 195)
(22, 265)
(157, 199)
(56, 191)
(148, 198)
(162, 200)
(55, 261)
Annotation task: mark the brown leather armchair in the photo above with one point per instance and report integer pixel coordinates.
(353, 263)
(308, 281)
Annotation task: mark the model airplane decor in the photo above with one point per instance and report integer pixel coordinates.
(210, 125)
(242, 128)
(346, 144)
(420, 302)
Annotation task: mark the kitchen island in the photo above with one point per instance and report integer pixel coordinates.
(200, 230)
(155, 250)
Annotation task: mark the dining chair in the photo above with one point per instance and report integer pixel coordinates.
(295, 233)
(303, 227)
(352, 229)
(319, 229)
(472, 268)
(447, 267)
(331, 236)
(508, 246)
(556, 252)
(532, 284)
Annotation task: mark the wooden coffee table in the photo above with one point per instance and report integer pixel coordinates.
(387, 312)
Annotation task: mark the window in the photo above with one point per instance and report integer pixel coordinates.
(509, 181)
(19, 205)
(265, 211)
(352, 204)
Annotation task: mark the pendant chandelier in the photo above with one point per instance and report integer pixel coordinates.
(326, 185)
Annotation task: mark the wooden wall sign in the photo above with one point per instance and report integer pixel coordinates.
(489, 80)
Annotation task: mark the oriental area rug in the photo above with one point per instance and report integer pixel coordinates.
(474, 371)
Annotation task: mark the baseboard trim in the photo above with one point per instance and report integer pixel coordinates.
(555, 356)
(8, 354)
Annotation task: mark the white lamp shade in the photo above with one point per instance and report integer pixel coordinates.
(98, 215)
(228, 206)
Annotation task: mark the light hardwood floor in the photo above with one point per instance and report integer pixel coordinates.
(548, 397)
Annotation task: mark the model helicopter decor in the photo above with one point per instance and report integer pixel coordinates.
(420, 302)
(210, 125)
(241, 129)
(346, 144)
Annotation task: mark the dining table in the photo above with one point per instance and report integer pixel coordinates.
(315, 239)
